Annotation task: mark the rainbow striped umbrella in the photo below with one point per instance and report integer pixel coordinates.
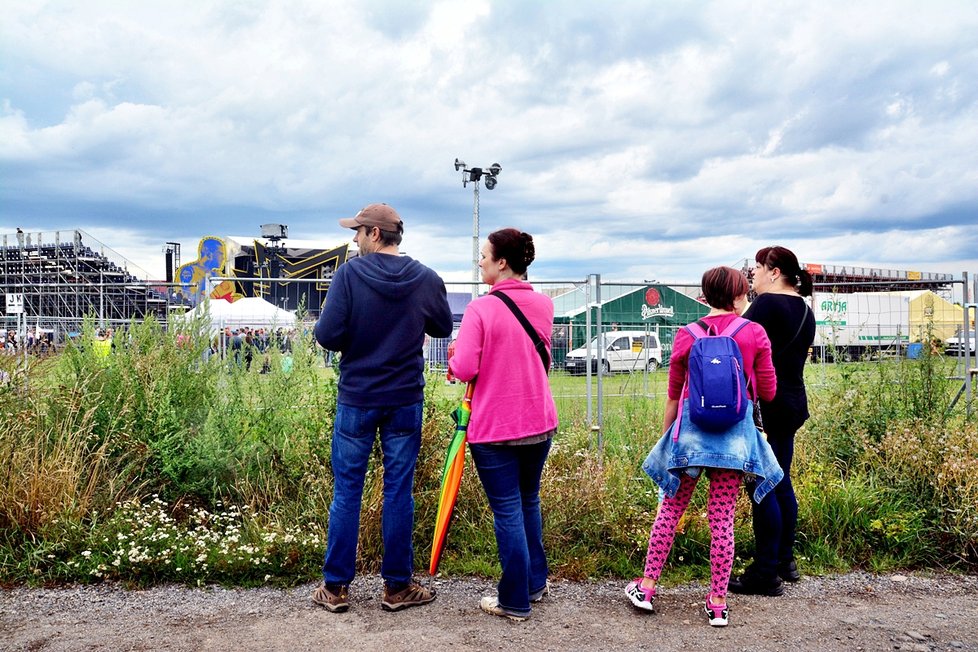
(451, 478)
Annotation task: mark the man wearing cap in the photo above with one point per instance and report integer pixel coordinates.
(379, 307)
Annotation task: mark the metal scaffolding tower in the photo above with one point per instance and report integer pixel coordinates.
(70, 276)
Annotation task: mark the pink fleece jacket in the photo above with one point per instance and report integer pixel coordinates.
(512, 396)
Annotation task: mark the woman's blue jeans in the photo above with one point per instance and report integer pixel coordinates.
(354, 431)
(511, 478)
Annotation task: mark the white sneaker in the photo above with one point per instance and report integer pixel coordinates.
(491, 606)
(642, 598)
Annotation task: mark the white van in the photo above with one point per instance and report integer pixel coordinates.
(955, 345)
(623, 351)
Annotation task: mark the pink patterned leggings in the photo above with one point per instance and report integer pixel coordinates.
(724, 485)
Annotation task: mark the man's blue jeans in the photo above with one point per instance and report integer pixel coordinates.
(354, 431)
(511, 478)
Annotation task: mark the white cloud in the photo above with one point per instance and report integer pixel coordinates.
(14, 134)
(627, 134)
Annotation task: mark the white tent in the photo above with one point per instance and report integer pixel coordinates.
(253, 312)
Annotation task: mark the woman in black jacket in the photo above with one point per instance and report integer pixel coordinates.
(780, 307)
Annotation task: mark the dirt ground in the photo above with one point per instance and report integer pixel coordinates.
(830, 614)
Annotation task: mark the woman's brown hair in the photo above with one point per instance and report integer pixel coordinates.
(514, 246)
(722, 285)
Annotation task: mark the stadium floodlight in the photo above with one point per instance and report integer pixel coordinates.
(474, 175)
(274, 232)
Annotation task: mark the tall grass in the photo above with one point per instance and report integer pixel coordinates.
(154, 463)
(886, 473)
(58, 475)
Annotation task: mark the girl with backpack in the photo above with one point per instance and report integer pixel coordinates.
(724, 446)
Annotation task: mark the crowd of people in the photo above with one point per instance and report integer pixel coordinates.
(241, 345)
(382, 306)
(37, 342)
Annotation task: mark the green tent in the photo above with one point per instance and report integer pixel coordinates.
(657, 308)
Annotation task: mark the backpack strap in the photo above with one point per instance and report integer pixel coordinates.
(538, 342)
(698, 329)
(804, 318)
(732, 329)
(734, 326)
(679, 415)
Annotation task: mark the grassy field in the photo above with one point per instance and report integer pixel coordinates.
(152, 465)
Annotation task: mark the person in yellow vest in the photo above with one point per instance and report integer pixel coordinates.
(102, 344)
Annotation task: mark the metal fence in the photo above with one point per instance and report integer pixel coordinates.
(610, 341)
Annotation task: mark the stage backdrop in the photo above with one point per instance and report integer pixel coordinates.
(232, 256)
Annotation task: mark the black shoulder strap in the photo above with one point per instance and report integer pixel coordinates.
(538, 343)
(804, 318)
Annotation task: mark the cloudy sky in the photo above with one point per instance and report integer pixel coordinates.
(637, 140)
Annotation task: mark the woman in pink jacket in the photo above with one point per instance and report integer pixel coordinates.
(513, 414)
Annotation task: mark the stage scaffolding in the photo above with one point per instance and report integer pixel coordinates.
(853, 278)
(65, 276)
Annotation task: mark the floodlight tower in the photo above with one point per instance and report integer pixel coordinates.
(474, 175)
(274, 233)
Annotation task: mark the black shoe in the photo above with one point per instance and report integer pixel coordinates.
(788, 571)
(749, 584)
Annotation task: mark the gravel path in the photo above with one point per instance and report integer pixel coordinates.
(840, 613)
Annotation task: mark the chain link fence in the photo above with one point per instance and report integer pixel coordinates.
(610, 341)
